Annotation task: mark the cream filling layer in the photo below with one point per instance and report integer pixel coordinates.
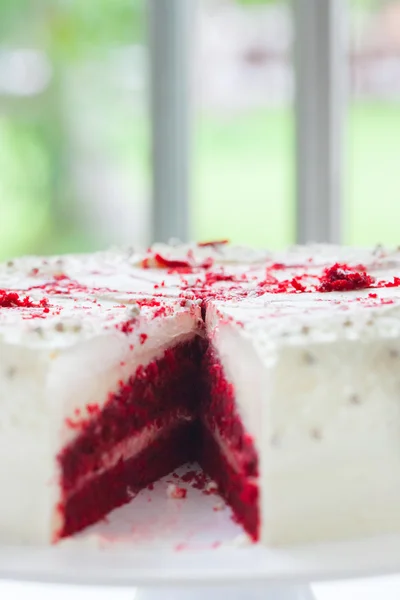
(130, 447)
(233, 457)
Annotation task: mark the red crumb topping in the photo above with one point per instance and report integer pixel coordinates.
(197, 479)
(185, 265)
(143, 337)
(126, 327)
(155, 395)
(389, 284)
(287, 286)
(152, 302)
(342, 277)
(213, 277)
(61, 277)
(14, 300)
(167, 263)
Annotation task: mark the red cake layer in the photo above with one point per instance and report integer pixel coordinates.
(179, 408)
(120, 484)
(163, 390)
(237, 488)
(226, 452)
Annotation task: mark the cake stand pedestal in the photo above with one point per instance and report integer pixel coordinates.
(239, 592)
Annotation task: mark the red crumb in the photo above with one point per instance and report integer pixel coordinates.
(150, 486)
(200, 481)
(180, 547)
(61, 277)
(176, 265)
(342, 277)
(143, 337)
(298, 286)
(14, 300)
(167, 263)
(197, 479)
(371, 295)
(389, 284)
(175, 492)
(213, 243)
(126, 327)
(214, 277)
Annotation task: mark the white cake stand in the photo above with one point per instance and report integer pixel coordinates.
(178, 549)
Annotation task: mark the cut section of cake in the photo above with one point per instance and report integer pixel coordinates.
(96, 398)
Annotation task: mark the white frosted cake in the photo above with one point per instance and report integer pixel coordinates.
(278, 372)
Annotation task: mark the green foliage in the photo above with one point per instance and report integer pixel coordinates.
(70, 29)
(79, 27)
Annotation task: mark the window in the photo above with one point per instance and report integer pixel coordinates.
(244, 123)
(79, 168)
(73, 124)
(373, 186)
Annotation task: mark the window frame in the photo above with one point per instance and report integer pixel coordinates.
(321, 75)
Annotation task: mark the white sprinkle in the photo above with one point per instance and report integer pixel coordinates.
(134, 310)
(211, 486)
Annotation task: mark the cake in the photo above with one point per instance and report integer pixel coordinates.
(277, 372)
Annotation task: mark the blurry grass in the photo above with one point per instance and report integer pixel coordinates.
(244, 176)
(372, 207)
(244, 181)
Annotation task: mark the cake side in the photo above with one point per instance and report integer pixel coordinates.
(329, 380)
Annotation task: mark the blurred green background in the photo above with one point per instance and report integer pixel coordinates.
(74, 129)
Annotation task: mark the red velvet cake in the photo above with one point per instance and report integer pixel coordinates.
(276, 372)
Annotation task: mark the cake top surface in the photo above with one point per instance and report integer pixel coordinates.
(49, 299)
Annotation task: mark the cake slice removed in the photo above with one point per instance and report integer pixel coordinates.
(303, 416)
